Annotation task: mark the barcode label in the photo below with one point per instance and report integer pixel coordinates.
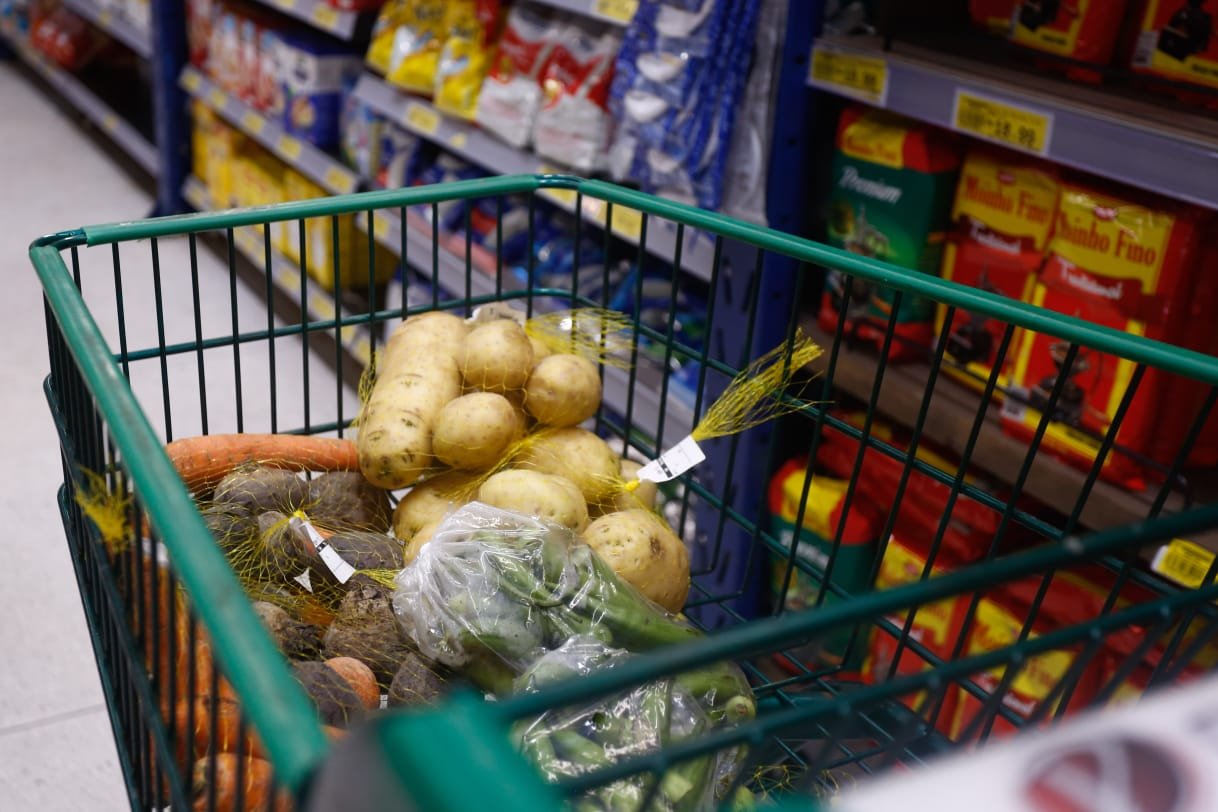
(1184, 562)
(1144, 51)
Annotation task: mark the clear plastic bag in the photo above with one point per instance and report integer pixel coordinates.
(567, 742)
(494, 591)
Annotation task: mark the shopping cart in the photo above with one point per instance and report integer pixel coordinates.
(208, 363)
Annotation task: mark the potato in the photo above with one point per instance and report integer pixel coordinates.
(644, 496)
(428, 502)
(563, 390)
(498, 357)
(474, 431)
(577, 454)
(433, 330)
(540, 350)
(417, 541)
(395, 444)
(533, 493)
(643, 550)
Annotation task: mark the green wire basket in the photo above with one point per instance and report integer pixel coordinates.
(208, 362)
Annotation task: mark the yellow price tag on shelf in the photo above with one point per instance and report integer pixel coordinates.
(628, 222)
(289, 147)
(862, 77)
(563, 197)
(325, 16)
(217, 98)
(288, 279)
(422, 118)
(252, 123)
(190, 81)
(1184, 562)
(621, 11)
(339, 180)
(457, 141)
(109, 122)
(1007, 124)
(105, 18)
(382, 224)
(286, 5)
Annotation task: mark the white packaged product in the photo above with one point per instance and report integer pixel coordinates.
(511, 92)
(572, 126)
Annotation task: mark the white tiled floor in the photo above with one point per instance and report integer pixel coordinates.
(56, 747)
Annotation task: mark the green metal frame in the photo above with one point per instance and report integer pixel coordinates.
(279, 710)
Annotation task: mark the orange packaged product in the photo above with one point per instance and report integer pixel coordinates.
(1079, 30)
(1001, 222)
(1178, 41)
(1122, 264)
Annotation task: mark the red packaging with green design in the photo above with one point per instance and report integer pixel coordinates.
(1127, 265)
(992, 15)
(893, 182)
(1001, 222)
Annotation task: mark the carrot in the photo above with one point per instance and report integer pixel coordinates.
(224, 738)
(259, 793)
(203, 461)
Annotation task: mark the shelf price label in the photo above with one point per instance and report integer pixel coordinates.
(1008, 124)
(190, 81)
(217, 98)
(325, 16)
(252, 123)
(339, 180)
(621, 11)
(289, 147)
(105, 18)
(850, 74)
(421, 118)
(628, 222)
(1184, 562)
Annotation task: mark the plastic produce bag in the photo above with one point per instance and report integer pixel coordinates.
(568, 742)
(494, 591)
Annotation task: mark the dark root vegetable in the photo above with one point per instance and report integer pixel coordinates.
(259, 489)
(298, 641)
(345, 500)
(417, 682)
(337, 702)
(368, 551)
(365, 628)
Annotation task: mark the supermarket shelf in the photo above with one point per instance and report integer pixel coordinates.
(678, 417)
(310, 161)
(617, 12)
(135, 36)
(950, 419)
(468, 141)
(285, 274)
(127, 137)
(319, 14)
(1127, 139)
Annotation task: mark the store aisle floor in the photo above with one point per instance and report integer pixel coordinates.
(56, 746)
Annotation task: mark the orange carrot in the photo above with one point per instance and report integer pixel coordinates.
(259, 793)
(203, 461)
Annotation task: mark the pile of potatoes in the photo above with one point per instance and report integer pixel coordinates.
(452, 402)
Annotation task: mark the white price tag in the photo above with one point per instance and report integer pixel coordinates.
(673, 462)
(329, 556)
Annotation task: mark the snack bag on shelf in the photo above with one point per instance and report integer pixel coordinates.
(1081, 30)
(200, 15)
(511, 92)
(224, 49)
(67, 39)
(892, 189)
(409, 36)
(1178, 40)
(1001, 221)
(465, 59)
(203, 123)
(361, 132)
(572, 126)
(992, 15)
(852, 561)
(224, 144)
(1127, 265)
(313, 72)
(997, 623)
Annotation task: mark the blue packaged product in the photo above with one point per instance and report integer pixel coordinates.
(313, 71)
(362, 130)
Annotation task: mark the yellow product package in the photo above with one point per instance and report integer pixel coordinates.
(224, 145)
(408, 38)
(463, 65)
(203, 127)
